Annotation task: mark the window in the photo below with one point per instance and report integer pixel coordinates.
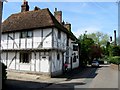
(25, 57)
(58, 56)
(23, 34)
(59, 34)
(74, 58)
(26, 34)
(75, 48)
(29, 34)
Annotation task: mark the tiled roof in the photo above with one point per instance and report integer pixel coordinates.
(32, 20)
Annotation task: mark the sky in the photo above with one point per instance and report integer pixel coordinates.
(83, 16)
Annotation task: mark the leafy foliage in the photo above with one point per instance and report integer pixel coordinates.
(99, 38)
(115, 59)
(115, 51)
(86, 44)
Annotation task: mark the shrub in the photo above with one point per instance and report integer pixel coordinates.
(4, 73)
(115, 59)
(115, 51)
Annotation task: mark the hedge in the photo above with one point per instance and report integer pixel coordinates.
(115, 59)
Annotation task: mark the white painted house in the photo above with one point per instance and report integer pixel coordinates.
(36, 41)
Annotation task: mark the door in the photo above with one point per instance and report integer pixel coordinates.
(44, 64)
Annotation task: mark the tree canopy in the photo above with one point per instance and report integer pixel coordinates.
(99, 38)
(91, 46)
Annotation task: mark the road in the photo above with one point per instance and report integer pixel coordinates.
(102, 77)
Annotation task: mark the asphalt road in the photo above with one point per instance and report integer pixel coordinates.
(102, 77)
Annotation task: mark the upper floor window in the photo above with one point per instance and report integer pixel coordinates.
(58, 56)
(59, 34)
(75, 48)
(26, 34)
(29, 34)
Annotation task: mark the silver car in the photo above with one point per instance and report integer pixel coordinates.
(95, 64)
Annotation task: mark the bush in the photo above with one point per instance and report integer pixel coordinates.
(4, 73)
(115, 59)
(115, 51)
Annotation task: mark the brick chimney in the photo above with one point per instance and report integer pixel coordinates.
(24, 6)
(58, 15)
(68, 26)
(115, 37)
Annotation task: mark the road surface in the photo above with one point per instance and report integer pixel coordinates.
(102, 77)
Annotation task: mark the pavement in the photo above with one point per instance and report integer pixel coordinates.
(22, 80)
(80, 77)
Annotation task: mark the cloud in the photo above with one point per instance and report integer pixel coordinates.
(89, 30)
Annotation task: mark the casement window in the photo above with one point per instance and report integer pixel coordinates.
(74, 58)
(25, 57)
(29, 34)
(59, 34)
(58, 56)
(75, 48)
(26, 34)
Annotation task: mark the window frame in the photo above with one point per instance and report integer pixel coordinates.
(59, 34)
(58, 56)
(26, 34)
(25, 57)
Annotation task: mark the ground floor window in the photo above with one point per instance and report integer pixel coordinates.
(25, 57)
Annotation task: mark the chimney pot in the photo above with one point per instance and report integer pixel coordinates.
(115, 37)
(55, 9)
(68, 26)
(24, 6)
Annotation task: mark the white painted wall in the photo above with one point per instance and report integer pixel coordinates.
(56, 64)
(37, 62)
(4, 41)
(59, 43)
(48, 41)
(26, 43)
(16, 41)
(3, 58)
(37, 37)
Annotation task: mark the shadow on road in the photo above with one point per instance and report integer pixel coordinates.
(87, 72)
(78, 73)
(23, 85)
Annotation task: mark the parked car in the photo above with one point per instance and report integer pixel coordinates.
(95, 64)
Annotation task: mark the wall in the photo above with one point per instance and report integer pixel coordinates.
(40, 37)
(56, 65)
(59, 43)
(37, 62)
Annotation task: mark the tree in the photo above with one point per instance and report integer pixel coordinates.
(99, 38)
(96, 52)
(86, 44)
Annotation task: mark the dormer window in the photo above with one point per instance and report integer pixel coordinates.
(26, 34)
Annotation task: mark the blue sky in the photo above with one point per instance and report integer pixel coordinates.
(84, 16)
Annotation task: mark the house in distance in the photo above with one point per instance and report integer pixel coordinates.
(38, 42)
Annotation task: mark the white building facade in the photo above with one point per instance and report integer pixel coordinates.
(39, 47)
